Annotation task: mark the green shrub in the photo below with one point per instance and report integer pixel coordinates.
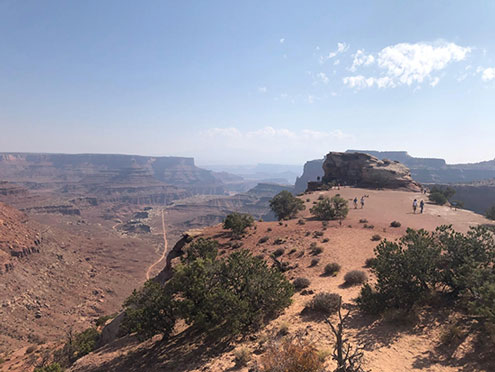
(467, 259)
(437, 198)
(317, 234)
(355, 277)
(448, 192)
(376, 238)
(316, 250)
(301, 283)
(490, 213)
(332, 268)
(278, 252)
(314, 262)
(264, 239)
(301, 222)
(405, 270)
(285, 205)
(200, 248)
(369, 262)
(102, 320)
(323, 303)
(149, 311)
(238, 223)
(54, 367)
(279, 241)
(395, 224)
(335, 208)
(370, 300)
(235, 294)
(363, 220)
(30, 349)
(326, 240)
(81, 344)
(242, 356)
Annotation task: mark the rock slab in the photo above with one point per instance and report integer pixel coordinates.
(364, 170)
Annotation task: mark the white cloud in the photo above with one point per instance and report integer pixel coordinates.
(258, 144)
(282, 40)
(434, 81)
(406, 64)
(360, 58)
(361, 82)
(262, 89)
(271, 132)
(323, 77)
(488, 74)
(341, 48)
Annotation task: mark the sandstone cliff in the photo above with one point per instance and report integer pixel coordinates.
(432, 170)
(312, 170)
(364, 170)
(17, 239)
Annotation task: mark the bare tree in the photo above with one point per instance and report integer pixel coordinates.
(348, 358)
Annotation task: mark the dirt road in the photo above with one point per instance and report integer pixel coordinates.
(165, 248)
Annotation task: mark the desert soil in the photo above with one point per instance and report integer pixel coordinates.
(390, 346)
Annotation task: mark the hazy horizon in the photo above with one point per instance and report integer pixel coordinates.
(248, 83)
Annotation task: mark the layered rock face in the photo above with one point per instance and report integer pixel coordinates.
(431, 170)
(312, 170)
(123, 178)
(364, 170)
(17, 239)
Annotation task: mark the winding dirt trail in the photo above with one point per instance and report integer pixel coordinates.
(165, 249)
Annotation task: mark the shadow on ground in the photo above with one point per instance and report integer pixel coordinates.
(183, 352)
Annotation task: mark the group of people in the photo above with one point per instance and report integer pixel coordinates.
(356, 202)
(415, 204)
(421, 206)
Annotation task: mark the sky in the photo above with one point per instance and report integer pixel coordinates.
(232, 82)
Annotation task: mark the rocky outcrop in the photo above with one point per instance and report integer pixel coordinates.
(268, 190)
(17, 238)
(433, 170)
(103, 171)
(9, 189)
(364, 170)
(312, 170)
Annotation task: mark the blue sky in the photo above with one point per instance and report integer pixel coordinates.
(258, 81)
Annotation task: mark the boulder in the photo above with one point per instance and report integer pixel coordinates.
(364, 170)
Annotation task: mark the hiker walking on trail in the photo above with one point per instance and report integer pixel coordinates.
(421, 206)
(362, 202)
(415, 205)
(355, 202)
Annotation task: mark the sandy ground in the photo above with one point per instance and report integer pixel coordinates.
(389, 346)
